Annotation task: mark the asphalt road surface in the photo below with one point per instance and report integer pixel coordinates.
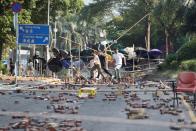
(96, 114)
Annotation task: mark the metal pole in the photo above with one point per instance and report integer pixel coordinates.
(19, 60)
(79, 62)
(17, 50)
(48, 12)
(47, 46)
(133, 67)
(71, 71)
(55, 31)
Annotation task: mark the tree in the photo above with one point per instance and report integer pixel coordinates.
(57, 8)
(169, 14)
(190, 19)
(7, 31)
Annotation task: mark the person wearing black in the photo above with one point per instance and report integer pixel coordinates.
(103, 61)
(12, 65)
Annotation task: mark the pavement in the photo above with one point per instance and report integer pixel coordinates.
(107, 111)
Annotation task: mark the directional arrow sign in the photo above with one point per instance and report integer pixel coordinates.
(33, 34)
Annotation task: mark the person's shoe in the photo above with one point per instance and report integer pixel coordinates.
(90, 79)
(113, 77)
(97, 78)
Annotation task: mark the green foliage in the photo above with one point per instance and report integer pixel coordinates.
(170, 58)
(162, 66)
(188, 65)
(97, 9)
(3, 68)
(187, 51)
(169, 63)
(190, 19)
(7, 31)
(57, 8)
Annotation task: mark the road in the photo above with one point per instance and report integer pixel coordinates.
(96, 114)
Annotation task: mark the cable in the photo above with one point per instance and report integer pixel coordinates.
(129, 29)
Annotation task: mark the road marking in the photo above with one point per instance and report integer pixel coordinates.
(190, 111)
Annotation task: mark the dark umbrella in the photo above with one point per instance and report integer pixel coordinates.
(55, 65)
(75, 52)
(86, 55)
(56, 52)
(155, 53)
(98, 47)
(64, 54)
(141, 52)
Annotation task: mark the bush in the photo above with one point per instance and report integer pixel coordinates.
(188, 65)
(162, 66)
(174, 64)
(170, 58)
(170, 63)
(187, 51)
(3, 69)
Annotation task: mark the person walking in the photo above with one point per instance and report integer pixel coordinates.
(30, 69)
(96, 65)
(118, 58)
(11, 66)
(104, 63)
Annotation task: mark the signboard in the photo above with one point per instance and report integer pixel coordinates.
(16, 7)
(37, 34)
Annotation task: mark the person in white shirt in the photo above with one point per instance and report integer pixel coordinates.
(96, 65)
(118, 58)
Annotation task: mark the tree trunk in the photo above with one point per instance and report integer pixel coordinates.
(148, 33)
(166, 42)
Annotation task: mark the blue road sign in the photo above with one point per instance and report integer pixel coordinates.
(16, 7)
(33, 34)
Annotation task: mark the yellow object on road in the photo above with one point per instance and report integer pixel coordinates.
(87, 92)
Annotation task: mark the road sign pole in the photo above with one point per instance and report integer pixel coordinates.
(47, 46)
(17, 48)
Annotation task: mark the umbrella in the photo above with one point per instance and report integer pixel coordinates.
(141, 52)
(130, 51)
(65, 63)
(55, 65)
(56, 52)
(104, 43)
(64, 53)
(122, 51)
(75, 52)
(86, 55)
(155, 53)
(98, 47)
(78, 64)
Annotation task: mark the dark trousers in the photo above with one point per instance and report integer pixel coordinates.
(106, 71)
(11, 70)
(98, 67)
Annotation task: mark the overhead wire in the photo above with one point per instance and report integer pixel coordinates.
(129, 29)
